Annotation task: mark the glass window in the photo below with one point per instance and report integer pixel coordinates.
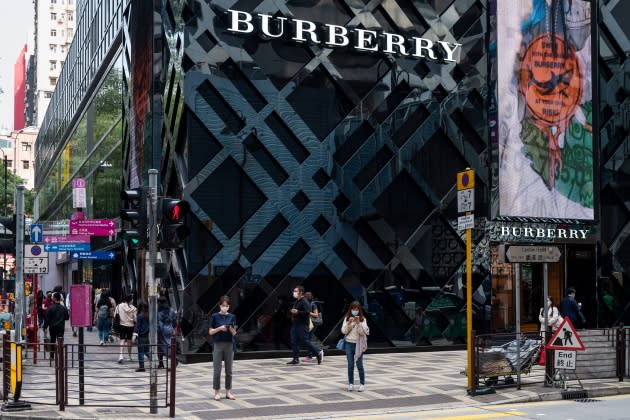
(70, 16)
(53, 65)
(47, 95)
(26, 147)
(53, 81)
(25, 164)
(53, 1)
(9, 164)
(53, 48)
(53, 32)
(70, 32)
(70, 2)
(53, 16)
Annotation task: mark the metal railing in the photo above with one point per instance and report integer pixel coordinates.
(91, 375)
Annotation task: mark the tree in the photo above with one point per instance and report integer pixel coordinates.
(12, 181)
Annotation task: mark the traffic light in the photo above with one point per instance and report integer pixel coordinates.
(7, 235)
(134, 212)
(173, 230)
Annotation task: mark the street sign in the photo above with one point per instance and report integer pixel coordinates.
(67, 239)
(566, 338)
(465, 180)
(94, 255)
(36, 265)
(79, 197)
(563, 359)
(466, 222)
(37, 233)
(64, 247)
(93, 227)
(465, 200)
(34, 251)
(532, 253)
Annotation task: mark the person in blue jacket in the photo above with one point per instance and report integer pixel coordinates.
(570, 308)
(222, 329)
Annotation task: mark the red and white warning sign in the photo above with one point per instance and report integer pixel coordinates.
(566, 338)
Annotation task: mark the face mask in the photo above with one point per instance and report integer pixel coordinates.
(295, 295)
(355, 313)
(224, 309)
(548, 303)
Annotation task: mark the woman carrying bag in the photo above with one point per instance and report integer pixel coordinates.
(554, 319)
(355, 330)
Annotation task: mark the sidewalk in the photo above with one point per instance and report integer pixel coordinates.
(268, 388)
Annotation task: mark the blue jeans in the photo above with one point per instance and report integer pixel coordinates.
(350, 350)
(143, 349)
(103, 326)
(299, 335)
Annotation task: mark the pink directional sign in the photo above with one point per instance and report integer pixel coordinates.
(93, 227)
(66, 239)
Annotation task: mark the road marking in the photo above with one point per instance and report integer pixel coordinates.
(481, 416)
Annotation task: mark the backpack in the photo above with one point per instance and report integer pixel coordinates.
(103, 312)
(319, 320)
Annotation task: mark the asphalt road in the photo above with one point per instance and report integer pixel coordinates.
(606, 408)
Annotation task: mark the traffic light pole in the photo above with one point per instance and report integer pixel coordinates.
(152, 285)
(20, 301)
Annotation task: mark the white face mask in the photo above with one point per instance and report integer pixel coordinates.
(295, 295)
(355, 313)
(224, 309)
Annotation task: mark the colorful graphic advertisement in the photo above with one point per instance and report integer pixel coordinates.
(544, 108)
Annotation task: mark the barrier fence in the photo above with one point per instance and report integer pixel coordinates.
(501, 360)
(91, 375)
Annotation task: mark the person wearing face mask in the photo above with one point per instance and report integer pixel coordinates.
(554, 319)
(222, 329)
(355, 330)
(300, 315)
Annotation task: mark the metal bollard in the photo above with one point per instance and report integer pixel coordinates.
(173, 370)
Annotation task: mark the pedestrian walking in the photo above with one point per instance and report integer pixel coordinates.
(103, 318)
(127, 313)
(40, 308)
(316, 319)
(300, 314)
(571, 308)
(166, 319)
(355, 330)
(56, 319)
(554, 319)
(222, 329)
(141, 333)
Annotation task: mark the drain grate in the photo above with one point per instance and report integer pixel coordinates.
(574, 395)
(587, 400)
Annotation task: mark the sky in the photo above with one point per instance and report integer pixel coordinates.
(16, 24)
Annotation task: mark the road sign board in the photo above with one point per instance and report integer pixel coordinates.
(79, 197)
(563, 359)
(67, 239)
(566, 338)
(466, 200)
(34, 251)
(532, 253)
(37, 233)
(64, 247)
(36, 265)
(465, 180)
(465, 222)
(94, 255)
(93, 227)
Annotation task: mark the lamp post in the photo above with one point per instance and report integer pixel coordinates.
(4, 266)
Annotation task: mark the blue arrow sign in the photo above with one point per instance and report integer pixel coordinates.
(94, 255)
(66, 247)
(37, 234)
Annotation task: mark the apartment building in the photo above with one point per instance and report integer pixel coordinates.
(54, 30)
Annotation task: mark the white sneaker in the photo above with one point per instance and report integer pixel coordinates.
(361, 388)
(120, 359)
(101, 342)
(350, 387)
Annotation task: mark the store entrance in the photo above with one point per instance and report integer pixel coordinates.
(531, 284)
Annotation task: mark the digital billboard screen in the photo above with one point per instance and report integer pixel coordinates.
(544, 108)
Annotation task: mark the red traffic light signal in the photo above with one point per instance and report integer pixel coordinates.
(173, 230)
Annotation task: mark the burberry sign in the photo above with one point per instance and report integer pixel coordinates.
(336, 36)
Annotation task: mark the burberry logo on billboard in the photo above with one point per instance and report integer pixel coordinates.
(542, 233)
(336, 36)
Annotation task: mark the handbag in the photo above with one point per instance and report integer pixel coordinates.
(542, 360)
(310, 324)
(116, 323)
(341, 344)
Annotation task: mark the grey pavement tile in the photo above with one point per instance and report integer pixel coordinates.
(336, 396)
(265, 401)
(391, 392)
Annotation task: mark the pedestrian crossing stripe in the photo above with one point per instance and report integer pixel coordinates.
(565, 338)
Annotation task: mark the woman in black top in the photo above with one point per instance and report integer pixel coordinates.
(223, 330)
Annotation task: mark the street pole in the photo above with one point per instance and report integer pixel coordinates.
(4, 267)
(20, 304)
(152, 285)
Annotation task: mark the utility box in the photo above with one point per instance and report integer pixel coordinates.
(81, 305)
